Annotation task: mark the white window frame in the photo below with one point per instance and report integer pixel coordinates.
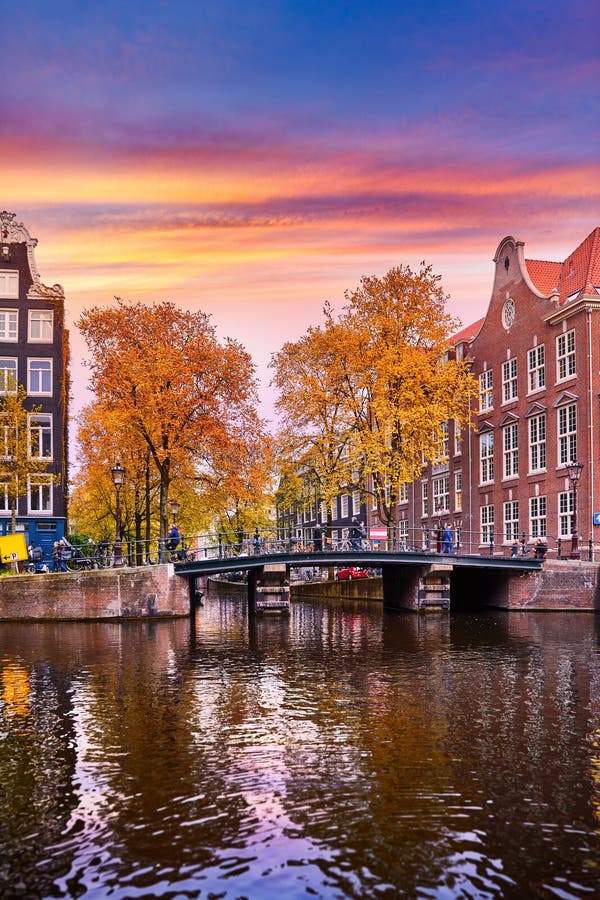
(40, 485)
(344, 506)
(424, 498)
(39, 427)
(511, 521)
(566, 507)
(509, 380)
(445, 442)
(403, 492)
(537, 443)
(510, 450)
(5, 371)
(486, 457)
(486, 523)
(355, 503)
(536, 369)
(4, 497)
(565, 356)
(9, 284)
(458, 492)
(538, 517)
(44, 321)
(40, 373)
(566, 419)
(403, 533)
(441, 494)
(9, 326)
(486, 390)
(457, 439)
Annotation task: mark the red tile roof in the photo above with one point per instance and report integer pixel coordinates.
(580, 271)
(466, 334)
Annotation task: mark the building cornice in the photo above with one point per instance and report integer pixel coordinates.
(582, 304)
(12, 232)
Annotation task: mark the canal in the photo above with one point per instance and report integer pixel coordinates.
(337, 753)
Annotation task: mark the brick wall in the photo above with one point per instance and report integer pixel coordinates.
(154, 591)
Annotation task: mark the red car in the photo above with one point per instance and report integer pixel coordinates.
(350, 573)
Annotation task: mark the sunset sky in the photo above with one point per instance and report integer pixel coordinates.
(255, 159)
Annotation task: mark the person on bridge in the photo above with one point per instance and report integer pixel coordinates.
(356, 534)
(173, 539)
(317, 538)
(447, 541)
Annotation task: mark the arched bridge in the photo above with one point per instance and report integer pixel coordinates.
(411, 579)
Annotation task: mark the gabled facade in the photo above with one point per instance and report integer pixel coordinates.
(536, 355)
(34, 352)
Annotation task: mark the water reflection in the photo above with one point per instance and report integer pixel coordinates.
(340, 753)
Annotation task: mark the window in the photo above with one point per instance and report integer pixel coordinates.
(565, 514)
(323, 508)
(9, 325)
(457, 439)
(509, 380)
(536, 368)
(39, 376)
(4, 498)
(344, 506)
(425, 498)
(403, 492)
(9, 284)
(41, 325)
(565, 355)
(40, 436)
(445, 442)
(511, 520)
(403, 533)
(486, 397)
(39, 494)
(7, 439)
(567, 434)
(355, 502)
(510, 439)
(334, 509)
(457, 491)
(487, 524)
(441, 494)
(537, 517)
(537, 443)
(8, 375)
(486, 457)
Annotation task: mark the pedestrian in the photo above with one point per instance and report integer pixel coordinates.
(540, 549)
(317, 538)
(58, 563)
(173, 539)
(515, 550)
(447, 542)
(355, 534)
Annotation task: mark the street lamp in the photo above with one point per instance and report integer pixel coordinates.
(574, 472)
(174, 510)
(118, 477)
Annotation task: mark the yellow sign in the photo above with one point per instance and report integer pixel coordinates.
(12, 548)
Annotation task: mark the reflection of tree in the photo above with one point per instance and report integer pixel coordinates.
(37, 761)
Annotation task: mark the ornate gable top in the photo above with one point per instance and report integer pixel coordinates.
(12, 232)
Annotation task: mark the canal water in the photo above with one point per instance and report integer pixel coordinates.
(337, 753)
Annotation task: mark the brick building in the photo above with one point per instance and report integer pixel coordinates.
(34, 353)
(536, 355)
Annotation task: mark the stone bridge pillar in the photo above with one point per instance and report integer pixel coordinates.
(418, 589)
(269, 589)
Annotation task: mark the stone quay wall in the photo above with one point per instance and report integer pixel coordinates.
(561, 585)
(149, 592)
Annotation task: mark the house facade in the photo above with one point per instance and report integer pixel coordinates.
(536, 356)
(34, 353)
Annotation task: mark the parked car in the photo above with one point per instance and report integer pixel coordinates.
(350, 573)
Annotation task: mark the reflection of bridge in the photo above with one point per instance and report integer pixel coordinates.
(411, 579)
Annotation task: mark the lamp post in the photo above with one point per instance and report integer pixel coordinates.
(174, 510)
(574, 472)
(118, 477)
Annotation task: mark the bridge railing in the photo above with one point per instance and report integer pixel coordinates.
(339, 540)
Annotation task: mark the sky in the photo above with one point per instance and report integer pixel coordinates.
(254, 160)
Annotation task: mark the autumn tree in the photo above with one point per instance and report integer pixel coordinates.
(316, 423)
(386, 372)
(185, 395)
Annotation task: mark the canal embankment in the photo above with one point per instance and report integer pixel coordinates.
(107, 594)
